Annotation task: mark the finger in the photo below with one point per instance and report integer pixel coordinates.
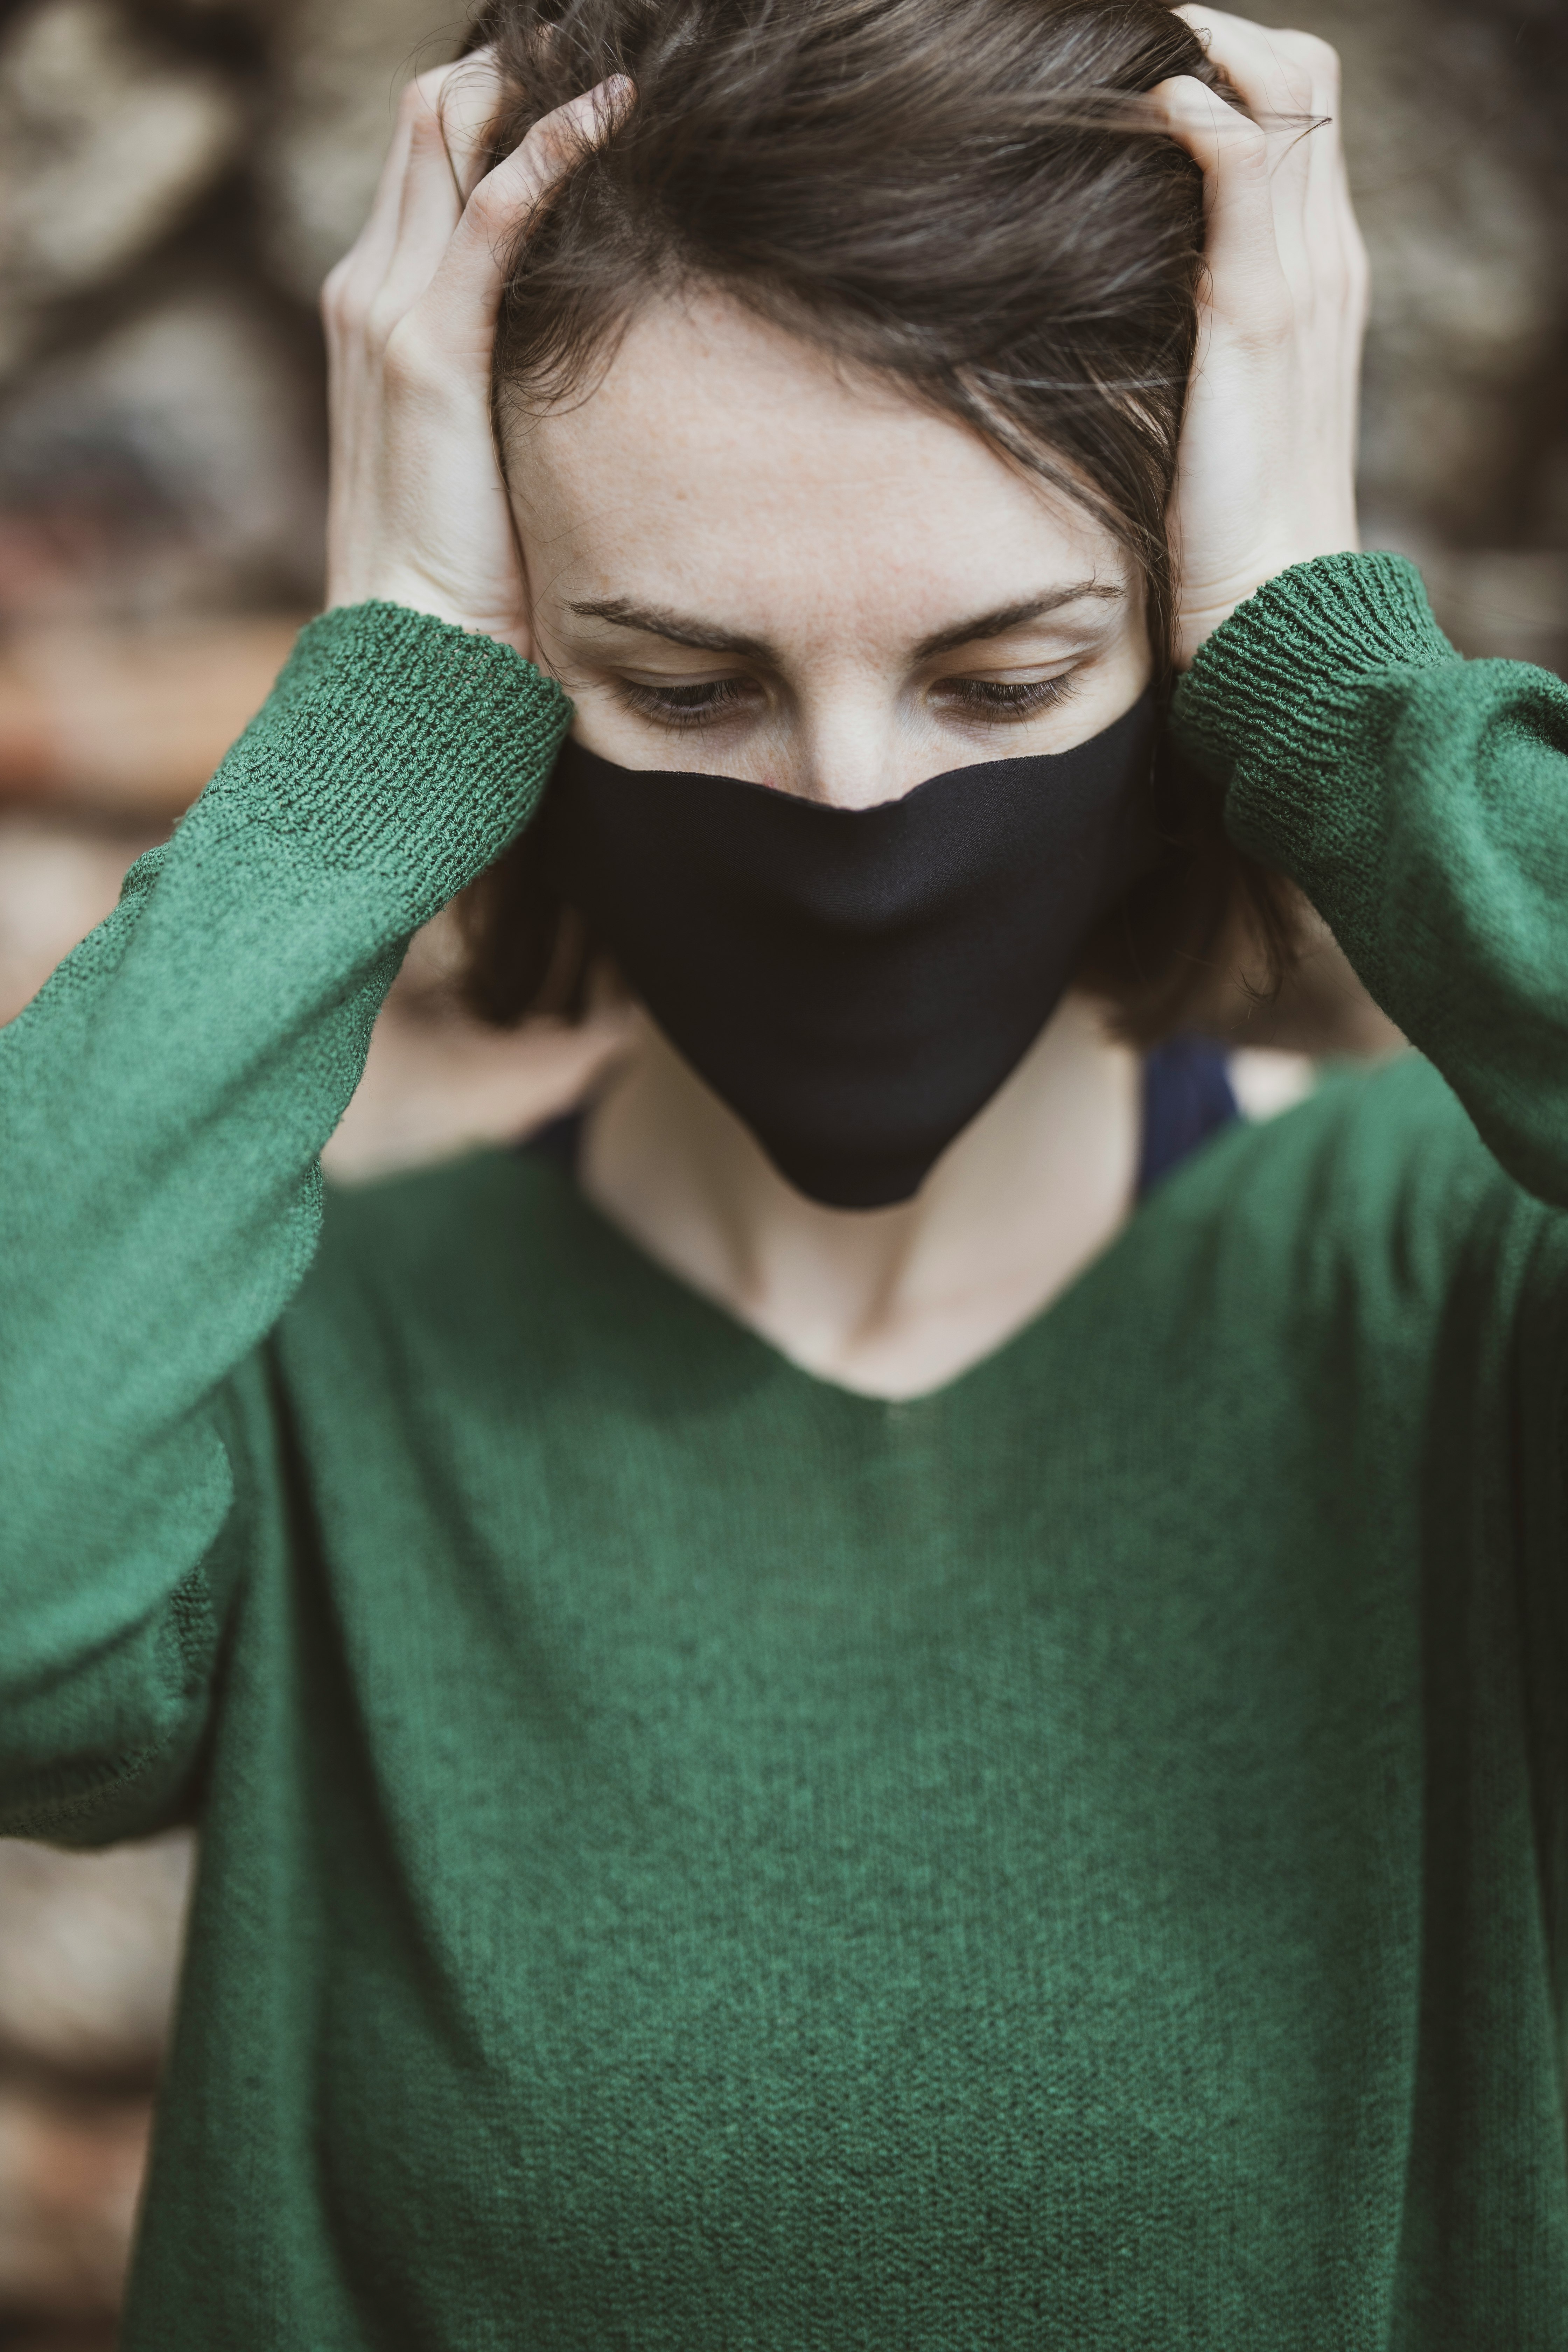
(364, 271)
(558, 143)
(470, 100)
(1272, 72)
(1289, 81)
(430, 208)
(359, 274)
(1332, 236)
(1330, 194)
(1311, 192)
(1242, 256)
(510, 195)
(1266, 66)
(1321, 260)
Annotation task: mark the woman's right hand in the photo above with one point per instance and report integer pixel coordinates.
(418, 512)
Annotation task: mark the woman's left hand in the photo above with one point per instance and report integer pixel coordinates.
(1267, 471)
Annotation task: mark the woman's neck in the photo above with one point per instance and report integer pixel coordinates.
(888, 1302)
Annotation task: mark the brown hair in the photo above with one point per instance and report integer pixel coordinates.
(965, 195)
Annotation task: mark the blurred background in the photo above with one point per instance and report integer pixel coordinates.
(177, 176)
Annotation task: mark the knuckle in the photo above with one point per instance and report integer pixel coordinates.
(421, 98)
(379, 322)
(533, 156)
(479, 212)
(553, 142)
(405, 361)
(1270, 324)
(342, 306)
(1264, 320)
(491, 211)
(1247, 148)
(1309, 63)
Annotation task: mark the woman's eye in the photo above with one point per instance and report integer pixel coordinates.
(990, 699)
(690, 706)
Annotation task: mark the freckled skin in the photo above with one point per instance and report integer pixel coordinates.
(726, 472)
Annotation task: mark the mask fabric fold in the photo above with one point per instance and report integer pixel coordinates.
(855, 983)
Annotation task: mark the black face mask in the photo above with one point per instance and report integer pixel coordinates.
(855, 983)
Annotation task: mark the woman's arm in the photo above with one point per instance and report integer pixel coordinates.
(1417, 798)
(164, 1100)
(1421, 802)
(163, 1103)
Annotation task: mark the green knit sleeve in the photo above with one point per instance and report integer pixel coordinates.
(163, 1103)
(1421, 802)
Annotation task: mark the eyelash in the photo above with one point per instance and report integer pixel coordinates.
(687, 706)
(984, 698)
(978, 697)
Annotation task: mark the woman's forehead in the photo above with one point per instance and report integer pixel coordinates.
(719, 454)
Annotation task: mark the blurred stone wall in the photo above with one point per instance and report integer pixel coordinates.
(1453, 118)
(176, 178)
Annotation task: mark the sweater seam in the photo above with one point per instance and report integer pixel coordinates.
(35, 1819)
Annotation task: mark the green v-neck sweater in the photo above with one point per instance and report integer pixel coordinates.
(693, 1858)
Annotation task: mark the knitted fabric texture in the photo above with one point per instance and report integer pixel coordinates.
(694, 1858)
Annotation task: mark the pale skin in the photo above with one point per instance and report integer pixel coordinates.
(686, 548)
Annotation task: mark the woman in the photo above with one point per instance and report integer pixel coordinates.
(814, 1729)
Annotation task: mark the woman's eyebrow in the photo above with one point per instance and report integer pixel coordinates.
(996, 623)
(655, 621)
(708, 638)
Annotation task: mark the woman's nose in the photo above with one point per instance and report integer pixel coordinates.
(853, 753)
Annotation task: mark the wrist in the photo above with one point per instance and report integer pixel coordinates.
(1202, 612)
(416, 591)
(414, 747)
(1283, 689)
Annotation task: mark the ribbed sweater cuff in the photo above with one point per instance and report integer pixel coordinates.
(1277, 703)
(393, 742)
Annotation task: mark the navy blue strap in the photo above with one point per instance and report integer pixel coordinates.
(560, 1142)
(1187, 1097)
